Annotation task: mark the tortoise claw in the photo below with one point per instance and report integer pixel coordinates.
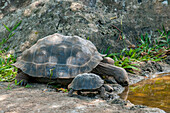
(22, 82)
(22, 79)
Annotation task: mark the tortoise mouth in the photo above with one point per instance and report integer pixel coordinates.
(124, 84)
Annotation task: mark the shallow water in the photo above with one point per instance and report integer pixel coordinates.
(153, 92)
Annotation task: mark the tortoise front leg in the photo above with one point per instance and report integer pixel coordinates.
(70, 93)
(22, 78)
(102, 93)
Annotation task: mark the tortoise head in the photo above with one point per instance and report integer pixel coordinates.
(121, 76)
(122, 79)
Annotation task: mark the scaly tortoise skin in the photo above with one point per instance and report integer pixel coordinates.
(89, 82)
(60, 58)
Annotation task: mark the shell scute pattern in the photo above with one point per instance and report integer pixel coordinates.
(66, 56)
(86, 81)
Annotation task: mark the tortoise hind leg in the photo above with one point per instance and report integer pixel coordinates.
(22, 78)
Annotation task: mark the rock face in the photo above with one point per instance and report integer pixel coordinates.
(97, 20)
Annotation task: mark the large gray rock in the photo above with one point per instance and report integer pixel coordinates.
(93, 19)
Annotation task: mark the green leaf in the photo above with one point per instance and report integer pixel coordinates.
(18, 82)
(135, 64)
(156, 41)
(164, 29)
(168, 33)
(121, 56)
(164, 41)
(146, 38)
(150, 41)
(51, 72)
(149, 50)
(130, 51)
(10, 35)
(107, 50)
(112, 54)
(156, 60)
(123, 36)
(2, 61)
(142, 37)
(132, 67)
(9, 88)
(15, 27)
(7, 28)
(123, 50)
(8, 59)
(15, 82)
(133, 55)
(28, 86)
(160, 32)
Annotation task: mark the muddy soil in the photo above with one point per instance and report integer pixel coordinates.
(40, 98)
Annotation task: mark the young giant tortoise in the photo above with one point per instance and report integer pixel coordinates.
(59, 59)
(88, 82)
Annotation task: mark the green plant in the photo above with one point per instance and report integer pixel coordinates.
(145, 51)
(148, 50)
(16, 83)
(106, 51)
(145, 44)
(51, 72)
(163, 40)
(28, 86)
(7, 71)
(62, 90)
(124, 61)
(10, 87)
(11, 33)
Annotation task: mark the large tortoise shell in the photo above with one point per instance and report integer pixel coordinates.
(86, 81)
(58, 56)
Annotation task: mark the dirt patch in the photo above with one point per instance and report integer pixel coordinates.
(39, 98)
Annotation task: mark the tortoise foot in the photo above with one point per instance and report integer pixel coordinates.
(103, 93)
(22, 79)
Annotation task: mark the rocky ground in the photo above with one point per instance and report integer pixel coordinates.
(100, 21)
(40, 98)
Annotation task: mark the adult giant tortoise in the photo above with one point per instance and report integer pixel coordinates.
(59, 59)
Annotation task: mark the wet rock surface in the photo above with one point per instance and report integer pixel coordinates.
(97, 20)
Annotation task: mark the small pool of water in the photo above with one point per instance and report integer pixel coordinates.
(153, 92)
